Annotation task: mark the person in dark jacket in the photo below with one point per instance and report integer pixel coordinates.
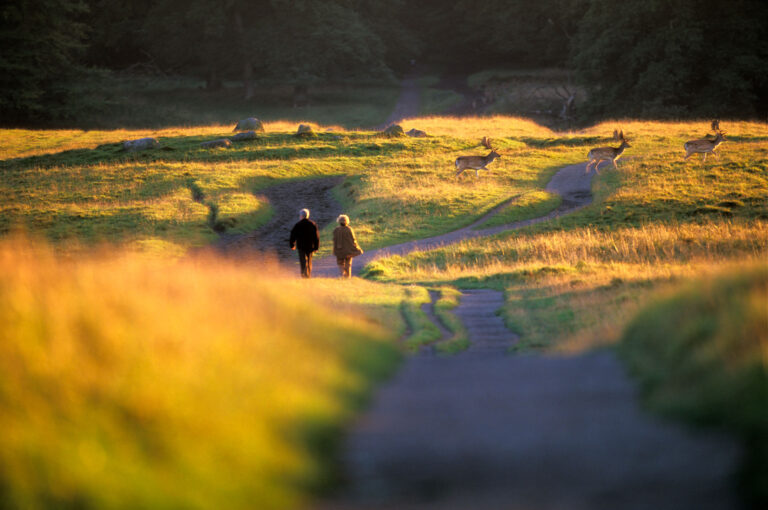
(306, 240)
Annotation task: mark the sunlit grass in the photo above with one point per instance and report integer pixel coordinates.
(79, 187)
(172, 381)
(577, 288)
(128, 382)
(495, 127)
(398, 189)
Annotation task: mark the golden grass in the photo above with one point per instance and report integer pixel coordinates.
(653, 244)
(20, 143)
(401, 188)
(127, 382)
(655, 131)
(497, 126)
(576, 289)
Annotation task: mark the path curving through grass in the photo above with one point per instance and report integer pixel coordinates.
(572, 183)
(485, 430)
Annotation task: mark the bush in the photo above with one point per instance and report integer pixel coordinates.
(701, 355)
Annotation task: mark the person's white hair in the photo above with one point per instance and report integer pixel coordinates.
(343, 219)
(304, 213)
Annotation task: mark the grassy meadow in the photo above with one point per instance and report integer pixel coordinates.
(115, 364)
(655, 221)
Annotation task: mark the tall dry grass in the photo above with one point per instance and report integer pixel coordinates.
(647, 245)
(127, 382)
(571, 290)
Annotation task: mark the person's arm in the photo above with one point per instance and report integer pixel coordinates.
(292, 239)
(316, 240)
(353, 240)
(336, 242)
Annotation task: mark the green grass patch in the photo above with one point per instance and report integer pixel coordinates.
(700, 355)
(435, 101)
(529, 205)
(449, 298)
(422, 330)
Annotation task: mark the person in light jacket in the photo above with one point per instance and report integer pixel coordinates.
(345, 246)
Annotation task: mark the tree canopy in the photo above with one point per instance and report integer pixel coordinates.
(674, 58)
(659, 58)
(41, 41)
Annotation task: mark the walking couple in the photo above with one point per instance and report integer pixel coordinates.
(306, 240)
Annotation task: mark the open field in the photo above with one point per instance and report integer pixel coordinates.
(80, 186)
(570, 284)
(655, 220)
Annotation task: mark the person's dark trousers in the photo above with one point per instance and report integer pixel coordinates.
(305, 260)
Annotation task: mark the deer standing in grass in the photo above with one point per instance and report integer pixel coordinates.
(600, 154)
(705, 145)
(476, 162)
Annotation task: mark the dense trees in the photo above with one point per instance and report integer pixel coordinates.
(674, 58)
(40, 45)
(636, 57)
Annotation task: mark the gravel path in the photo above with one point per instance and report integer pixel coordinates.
(486, 330)
(570, 182)
(408, 104)
(486, 431)
(286, 200)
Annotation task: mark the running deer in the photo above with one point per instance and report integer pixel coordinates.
(477, 162)
(600, 154)
(705, 145)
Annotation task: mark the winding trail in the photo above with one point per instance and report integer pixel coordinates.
(485, 431)
(408, 103)
(482, 430)
(570, 182)
(286, 199)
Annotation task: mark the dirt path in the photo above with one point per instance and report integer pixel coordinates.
(570, 182)
(484, 430)
(487, 431)
(408, 104)
(286, 200)
(486, 330)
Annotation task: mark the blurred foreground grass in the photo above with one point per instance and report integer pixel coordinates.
(701, 354)
(127, 382)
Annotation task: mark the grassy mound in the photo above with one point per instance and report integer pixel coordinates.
(702, 355)
(126, 382)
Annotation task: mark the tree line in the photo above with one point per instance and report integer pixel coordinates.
(653, 58)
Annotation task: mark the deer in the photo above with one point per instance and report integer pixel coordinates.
(600, 154)
(477, 162)
(705, 146)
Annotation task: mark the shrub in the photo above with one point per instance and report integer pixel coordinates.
(702, 354)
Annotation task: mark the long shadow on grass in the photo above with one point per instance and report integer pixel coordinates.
(576, 141)
(268, 147)
(112, 226)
